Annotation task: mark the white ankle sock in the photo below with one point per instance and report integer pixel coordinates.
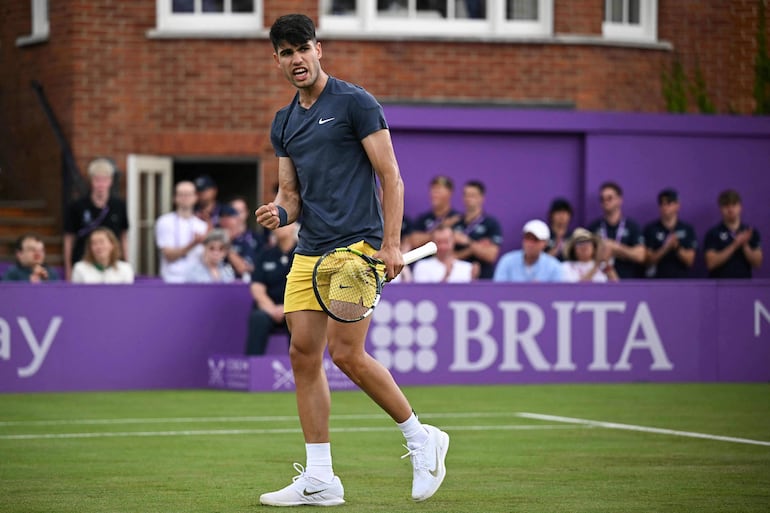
(319, 462)
(413, 431)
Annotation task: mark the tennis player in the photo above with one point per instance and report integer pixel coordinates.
(332, 142)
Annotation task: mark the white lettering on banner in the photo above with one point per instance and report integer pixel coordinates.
(523, 321)
(464, 335)
(760, 312)
(5, 340)
(39, 350)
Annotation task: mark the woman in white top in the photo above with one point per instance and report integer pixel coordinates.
(101, 262)
(443, 267)
(584, 259)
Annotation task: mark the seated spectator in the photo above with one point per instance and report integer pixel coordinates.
(531, 263)
(268, 284)
(244, 245)
(441, 212)
(101, 262)
(621, 235)
(444, 266)
(732, 248)
(670, 243)
(179, 234)
(211, 266)
(559, 219)
(478, 235)
(584, 261)
(30, 262)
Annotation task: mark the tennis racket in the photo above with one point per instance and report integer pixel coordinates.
(348, 283)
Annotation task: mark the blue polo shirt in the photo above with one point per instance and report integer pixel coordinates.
(511, 267)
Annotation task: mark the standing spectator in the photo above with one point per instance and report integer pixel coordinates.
(621, 235)
(441, 212)
(268, 284)
(671, 243)
(96, 209)
(243, 245)
(583, 260)
(732, 248)
(559, 218)
(478, 235)
(211, 266)
(208, 208)
(531, 263)
(101, 262)
(30, 262)
(444, 266)
(179, 235)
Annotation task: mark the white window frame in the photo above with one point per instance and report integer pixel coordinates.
(367, 21)
(204, 23)
(40, 26)
(645, 31)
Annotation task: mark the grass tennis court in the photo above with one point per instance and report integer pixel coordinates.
(211, 451)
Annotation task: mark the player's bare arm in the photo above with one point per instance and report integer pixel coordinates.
(287, 197)
(379, 149)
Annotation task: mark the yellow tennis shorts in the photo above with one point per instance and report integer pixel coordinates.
(299, 293)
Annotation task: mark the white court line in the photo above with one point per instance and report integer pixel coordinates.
(274, 418)
(221, 432)
(643, 429)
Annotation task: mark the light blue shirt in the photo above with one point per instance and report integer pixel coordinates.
(511, 267)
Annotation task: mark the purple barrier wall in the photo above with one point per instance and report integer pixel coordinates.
(528, 157)
(149, 335)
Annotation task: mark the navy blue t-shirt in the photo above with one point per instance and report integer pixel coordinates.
(718, 238)
(337, 183)
(270, 268)
(485, 227)
(626, 232)
(670, 266)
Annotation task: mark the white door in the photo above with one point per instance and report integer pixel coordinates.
(149, 191)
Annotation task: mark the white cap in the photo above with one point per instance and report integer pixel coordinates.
(537, 228)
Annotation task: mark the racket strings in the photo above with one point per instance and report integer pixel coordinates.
(347, 285)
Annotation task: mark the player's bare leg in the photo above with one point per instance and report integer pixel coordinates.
(427, 446)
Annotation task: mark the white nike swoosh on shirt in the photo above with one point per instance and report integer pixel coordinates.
(323, 121)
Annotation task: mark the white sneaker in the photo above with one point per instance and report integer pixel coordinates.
(428, 462)
(306, 490)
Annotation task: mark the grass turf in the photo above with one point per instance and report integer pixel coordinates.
(211, 451)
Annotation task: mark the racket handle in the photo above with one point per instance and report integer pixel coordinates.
(423, 251)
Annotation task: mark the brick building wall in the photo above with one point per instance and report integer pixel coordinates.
(116, 91)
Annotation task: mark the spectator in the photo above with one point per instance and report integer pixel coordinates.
(208, 208)
(583, 259)
(621, 235)
(268, 284)
(179, 234)
(243, 244)
(671, 243)
(101, 262)
(96, 209)
(531, 263)
(245, 216)
(30, 262)
(477, 235)
(211, 266)
(732, 248)
(444, 266)
(440, 214)
(559, 218)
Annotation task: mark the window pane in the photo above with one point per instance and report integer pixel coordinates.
(183, 6)
(476, 8)
(633, 12)
(522, 10)
(342, 6)
(392, 7)
(213, 6)
(614, 12)
(243, 5)
(431, 8)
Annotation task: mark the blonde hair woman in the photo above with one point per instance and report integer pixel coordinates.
(101, 262)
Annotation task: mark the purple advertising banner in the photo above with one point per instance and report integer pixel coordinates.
(61, 337)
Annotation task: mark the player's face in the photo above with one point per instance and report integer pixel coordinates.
(301, 65)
